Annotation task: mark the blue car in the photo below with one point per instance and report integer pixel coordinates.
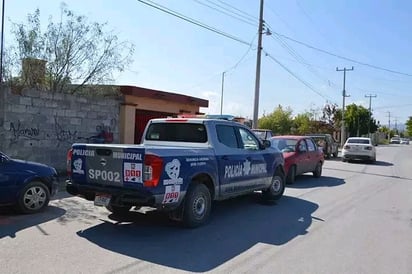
(25, 185)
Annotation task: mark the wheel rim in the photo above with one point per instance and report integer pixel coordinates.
(199, 206)
(34, 198)
(276, 184)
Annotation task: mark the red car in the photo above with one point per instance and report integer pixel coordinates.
(301, 155)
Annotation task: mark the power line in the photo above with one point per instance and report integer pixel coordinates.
(341, 57)
(234, 67)
(241, 11)
(226, 13)
(308, 85)
(300, 59)
(191, 20)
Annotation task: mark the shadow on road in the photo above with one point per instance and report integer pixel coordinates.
(236, 226)
(308, 181)
(376, 163)
(11, 223)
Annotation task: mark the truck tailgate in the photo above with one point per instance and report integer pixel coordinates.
(115, 166)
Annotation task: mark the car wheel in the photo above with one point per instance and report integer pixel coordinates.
(197, 205)
(276, 189)
(290, 179)
(118, 210)
(33, 198)
(335, 154)
(318, 170)
(344, 160)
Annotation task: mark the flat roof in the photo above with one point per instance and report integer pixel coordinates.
(163, 95)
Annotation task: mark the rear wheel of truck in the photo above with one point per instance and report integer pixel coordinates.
(118, 210)
(276, 189)
(197, 205)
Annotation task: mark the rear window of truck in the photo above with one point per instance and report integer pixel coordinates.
(177, 132)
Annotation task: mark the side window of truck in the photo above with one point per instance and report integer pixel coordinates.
(249, 141)
(227, 136)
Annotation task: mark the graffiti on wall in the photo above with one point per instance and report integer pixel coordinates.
(19, 131)
(104, 135)
(60, 133)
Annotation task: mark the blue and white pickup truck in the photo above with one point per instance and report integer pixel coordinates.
(181, 166)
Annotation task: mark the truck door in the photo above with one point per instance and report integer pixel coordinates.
(237, 160)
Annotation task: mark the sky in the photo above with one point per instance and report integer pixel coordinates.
(309, 40)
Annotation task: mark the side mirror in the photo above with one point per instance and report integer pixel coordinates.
(266, 143)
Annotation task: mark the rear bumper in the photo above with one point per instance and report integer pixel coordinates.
(120, 196)
(357, 157)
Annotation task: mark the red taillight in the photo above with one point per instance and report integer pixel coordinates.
(152, 170)
(69, 162)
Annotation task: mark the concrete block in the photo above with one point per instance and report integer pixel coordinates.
(76, 121)
(37, 102)
(34, 93)
(18, 108)
(70, 113)
(46, 95)
(58, 96)
(32, 110)
(25, 101)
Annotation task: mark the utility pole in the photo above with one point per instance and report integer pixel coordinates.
(258, 57)
(389, 126)
(221, 96)
(396, 125)
(342, 130)
(2, 43)
(370, 110)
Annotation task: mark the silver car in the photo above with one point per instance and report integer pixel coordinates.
(359, 148)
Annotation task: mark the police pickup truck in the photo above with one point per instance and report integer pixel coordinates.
(181, 166)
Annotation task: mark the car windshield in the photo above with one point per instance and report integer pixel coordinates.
(260, 134)
(283, 144)
(359, 141)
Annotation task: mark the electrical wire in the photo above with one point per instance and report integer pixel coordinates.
(191, 20)
(239, 10)
(297, 77)
(232, 67)
(342, 57)
(301, 60)
(228, 12)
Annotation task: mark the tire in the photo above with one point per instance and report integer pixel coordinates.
(335, 154)
(344, 160)
(197, 205)
(276, 189)
(33, 198)
(118, 210)
(290, 178)
(318, 170)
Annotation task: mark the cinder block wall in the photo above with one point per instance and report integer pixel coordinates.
(41, 126)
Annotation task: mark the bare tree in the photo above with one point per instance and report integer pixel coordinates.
(77, 51)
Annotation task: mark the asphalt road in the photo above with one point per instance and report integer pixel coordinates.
(356, 218)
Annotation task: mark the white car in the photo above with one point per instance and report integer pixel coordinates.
(358, 148)
(405, 141)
